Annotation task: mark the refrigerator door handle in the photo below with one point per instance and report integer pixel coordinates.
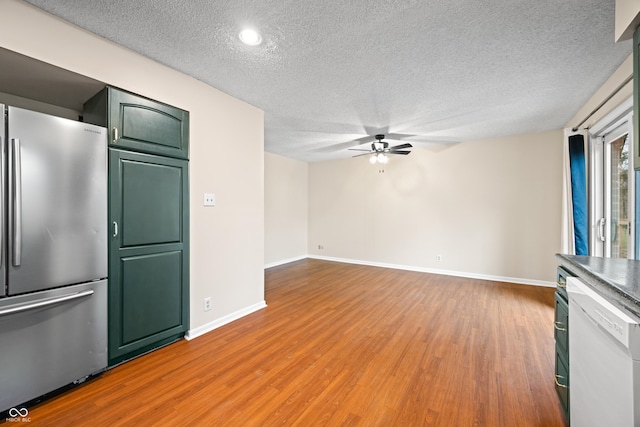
(17, 204)
(43, 303)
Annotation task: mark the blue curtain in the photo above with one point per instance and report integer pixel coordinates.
(579, 193)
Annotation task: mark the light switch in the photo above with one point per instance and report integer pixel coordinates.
(209, 199)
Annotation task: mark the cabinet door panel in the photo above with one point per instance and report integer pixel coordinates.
(145, 125)
(150, 125)
(561, 327)
(151, 301)
(152, 202)
(561, 280)
(562, 381)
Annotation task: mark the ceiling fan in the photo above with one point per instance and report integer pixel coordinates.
(380, 149)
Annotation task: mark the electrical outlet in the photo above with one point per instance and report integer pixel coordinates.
(207, 304)
(320, 247)
(209, 199)
(439, 258)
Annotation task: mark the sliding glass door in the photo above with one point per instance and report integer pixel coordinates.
(618, 241)
(612, 189)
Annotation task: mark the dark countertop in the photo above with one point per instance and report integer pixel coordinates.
(616, 279)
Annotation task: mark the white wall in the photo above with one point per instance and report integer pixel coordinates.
(42, 107)
(627, 18)
(226, 150)
(285, 209)
(490, 208)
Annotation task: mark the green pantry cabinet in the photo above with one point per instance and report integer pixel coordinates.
(561, 334)
(149, 217)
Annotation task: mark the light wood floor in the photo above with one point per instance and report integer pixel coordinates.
(344, 345)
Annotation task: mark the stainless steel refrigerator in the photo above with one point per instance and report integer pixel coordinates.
(53, 253)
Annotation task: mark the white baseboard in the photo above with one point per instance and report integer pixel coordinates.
(285, 261)
(516, 280)
(208, 327)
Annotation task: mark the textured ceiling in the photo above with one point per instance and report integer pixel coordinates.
(329, 73)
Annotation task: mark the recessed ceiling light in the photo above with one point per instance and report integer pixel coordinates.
(250, 37)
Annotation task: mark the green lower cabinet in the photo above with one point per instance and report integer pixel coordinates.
(561, 335)
(561, 325)
(562, 381)
(148, 253)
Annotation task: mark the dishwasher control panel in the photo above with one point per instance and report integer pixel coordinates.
(623, 326)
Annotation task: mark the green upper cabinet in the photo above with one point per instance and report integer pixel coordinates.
(140, 124)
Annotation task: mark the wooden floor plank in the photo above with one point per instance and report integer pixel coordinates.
(342, 344)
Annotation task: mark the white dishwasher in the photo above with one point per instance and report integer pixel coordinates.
(604, 360)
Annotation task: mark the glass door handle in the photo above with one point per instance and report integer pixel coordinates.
(601, 223)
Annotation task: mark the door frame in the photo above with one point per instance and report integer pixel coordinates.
(606, 130)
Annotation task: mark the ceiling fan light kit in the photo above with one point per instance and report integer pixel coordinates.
(379, 158)
(380, 149)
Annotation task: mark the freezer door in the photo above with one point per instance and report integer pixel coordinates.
(57, 201)
(51, 339)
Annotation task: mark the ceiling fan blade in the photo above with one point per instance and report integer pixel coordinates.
(403, 152)
(398, 136)
(401, 146)
(363, 154)
(358, 149)
(342, 145)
